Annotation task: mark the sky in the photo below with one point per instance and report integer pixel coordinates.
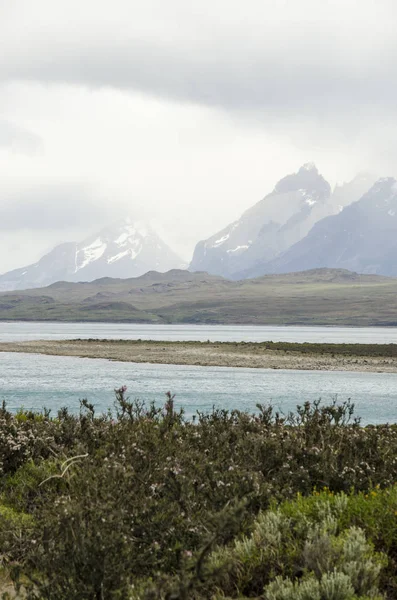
(183, 113)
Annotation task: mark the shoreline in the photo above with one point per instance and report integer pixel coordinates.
(312, 357)
(281, 324)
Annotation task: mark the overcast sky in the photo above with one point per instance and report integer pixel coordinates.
(183, 112)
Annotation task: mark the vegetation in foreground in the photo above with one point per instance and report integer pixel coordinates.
(141, 503)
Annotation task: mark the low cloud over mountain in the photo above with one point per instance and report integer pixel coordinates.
(124, 249)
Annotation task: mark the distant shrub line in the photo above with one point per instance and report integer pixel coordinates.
(378, 350)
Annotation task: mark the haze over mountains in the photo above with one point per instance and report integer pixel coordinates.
(275, 224)
(302, 224)
(124, 249)
(267, 228)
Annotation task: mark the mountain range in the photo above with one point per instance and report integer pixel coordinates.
(302, 224)
(124, 249)
(275, 224)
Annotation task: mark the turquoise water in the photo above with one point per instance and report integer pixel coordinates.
(236, 333)
(34, 381)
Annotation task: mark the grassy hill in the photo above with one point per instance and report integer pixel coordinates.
(321, 296)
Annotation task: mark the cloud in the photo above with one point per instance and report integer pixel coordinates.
(51, 207)
(277, 57)
(185, 112)
(18, 139)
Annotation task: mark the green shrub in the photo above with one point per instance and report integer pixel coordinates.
(222, 505)
(298, 551)
(14, 535)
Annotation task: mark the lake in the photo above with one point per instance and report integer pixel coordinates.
(35, 381)
(14, 331)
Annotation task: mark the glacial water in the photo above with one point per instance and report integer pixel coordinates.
(233, 333)
(35, 381)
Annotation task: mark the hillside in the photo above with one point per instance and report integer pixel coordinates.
(321, 296)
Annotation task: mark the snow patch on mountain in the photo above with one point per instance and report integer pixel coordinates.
(131, 231)
(128, 252)
(220, 241)
(244, 247)
(85, 256)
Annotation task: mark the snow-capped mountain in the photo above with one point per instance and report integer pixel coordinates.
(124, 249)
(268, 228)
(361, 238)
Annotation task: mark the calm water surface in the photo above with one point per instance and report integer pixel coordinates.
(35, 381)
(234, 333)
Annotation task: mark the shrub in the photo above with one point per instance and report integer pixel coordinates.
(226, 503)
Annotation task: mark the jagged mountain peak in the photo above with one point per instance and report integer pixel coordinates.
(122, 239)
(308, 180)
(269, 227)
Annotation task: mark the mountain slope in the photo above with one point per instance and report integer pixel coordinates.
(269, 227)
(56, 265)
(124, 249)
(362, 238)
